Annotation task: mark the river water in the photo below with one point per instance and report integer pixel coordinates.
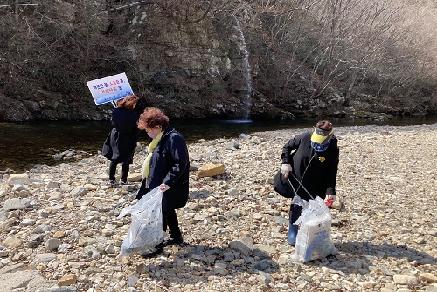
(23, 145)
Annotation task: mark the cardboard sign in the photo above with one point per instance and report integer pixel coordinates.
(110, 88)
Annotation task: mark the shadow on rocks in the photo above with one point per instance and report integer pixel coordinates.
(199, 195)
(386, 251)
(200, 263)
(356, 257)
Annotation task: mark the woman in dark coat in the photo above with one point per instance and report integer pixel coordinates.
(167, 166)
(309, 162)
(120, 145)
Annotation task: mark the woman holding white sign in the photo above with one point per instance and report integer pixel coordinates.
(120, 144)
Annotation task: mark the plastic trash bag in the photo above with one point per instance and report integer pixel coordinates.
(145, 231)
(313, 240)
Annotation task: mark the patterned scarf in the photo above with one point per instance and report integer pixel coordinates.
(146, 164)
(320, 147)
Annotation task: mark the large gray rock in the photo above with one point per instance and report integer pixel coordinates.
(19, 179)
(45, 257)
(244, 245)
(4, 190)
(15, 204)
(265, 278)
(53, 244)
(58, 289)
(233, 145)
(78, 191)
(27, 222)
(265, 265)
(428, 277)
(35, 240)
(15, 279)
(53, 185)
(405, 279)
(12, 242)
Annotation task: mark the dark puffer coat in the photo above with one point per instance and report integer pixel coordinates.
(316, 170)
(170, 165)
(122, 140)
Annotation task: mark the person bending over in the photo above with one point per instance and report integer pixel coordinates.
(309, 162)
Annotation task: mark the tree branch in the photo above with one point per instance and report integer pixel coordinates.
(145, 2)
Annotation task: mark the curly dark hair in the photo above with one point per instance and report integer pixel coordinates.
(128, 102)
(153, 117)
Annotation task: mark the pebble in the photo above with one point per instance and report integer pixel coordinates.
(235, 225)
(67, 280)
(404, 279)
(45, 258)
(428, 277)
(53, 244)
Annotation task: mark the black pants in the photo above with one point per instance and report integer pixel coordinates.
(124, 170)
(170, 220)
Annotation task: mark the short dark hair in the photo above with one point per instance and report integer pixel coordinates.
(153, 117)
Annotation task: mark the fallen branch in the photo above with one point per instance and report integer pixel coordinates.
(126, 6)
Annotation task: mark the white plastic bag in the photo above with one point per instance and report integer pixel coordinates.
(145, 231)
(313, 240)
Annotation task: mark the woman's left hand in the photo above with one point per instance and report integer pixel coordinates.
(164, 187)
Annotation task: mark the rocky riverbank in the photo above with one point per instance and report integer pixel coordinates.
(59, 228)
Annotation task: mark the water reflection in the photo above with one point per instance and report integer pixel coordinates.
(238, 121)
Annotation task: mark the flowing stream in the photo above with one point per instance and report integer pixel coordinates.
(23, 145)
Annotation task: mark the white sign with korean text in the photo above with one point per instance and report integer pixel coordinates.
(110, 88)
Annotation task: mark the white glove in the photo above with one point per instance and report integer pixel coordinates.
(285, 169)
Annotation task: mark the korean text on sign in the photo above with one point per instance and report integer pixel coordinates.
(110, 88)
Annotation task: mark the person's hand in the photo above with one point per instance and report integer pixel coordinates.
(330, 197)
(329, 200)
(285, 169)
(164, 187)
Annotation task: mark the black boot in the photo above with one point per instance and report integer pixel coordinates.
(178, 240)
(124, 173)
(170, 220)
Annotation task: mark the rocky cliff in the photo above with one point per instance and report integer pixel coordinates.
(213, 64)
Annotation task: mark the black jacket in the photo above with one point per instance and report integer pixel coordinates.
(122, 140)
(316, 170)
(170, 165)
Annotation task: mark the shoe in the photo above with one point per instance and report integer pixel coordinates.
(159, 249)
(112, 183)
(174, 241)
(123, 182)
(292, 233)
